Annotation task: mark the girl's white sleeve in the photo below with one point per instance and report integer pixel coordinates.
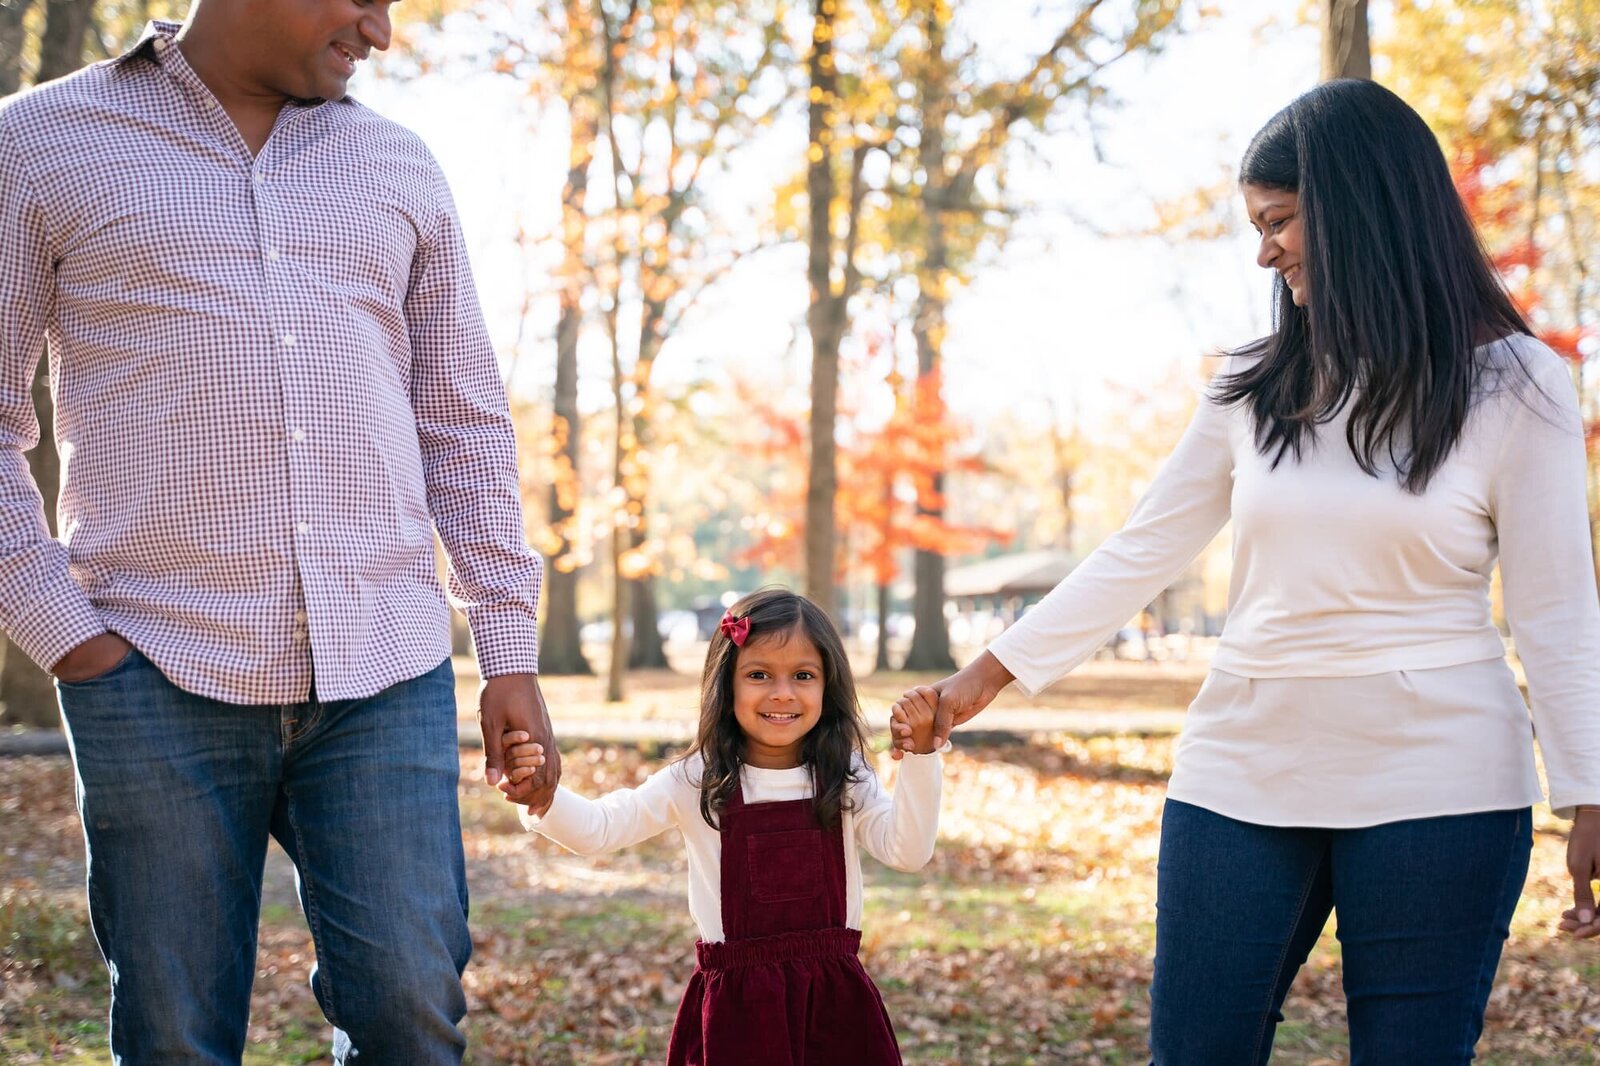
(1541, 515)
(1187, 503)
(615, 820)
(900, 830)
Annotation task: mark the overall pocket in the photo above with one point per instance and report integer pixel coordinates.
(785, 866)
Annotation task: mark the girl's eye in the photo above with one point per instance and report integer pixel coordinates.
(1279, 224)
(805, 675)
(757, 675)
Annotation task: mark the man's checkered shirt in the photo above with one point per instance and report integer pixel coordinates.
(272, 382)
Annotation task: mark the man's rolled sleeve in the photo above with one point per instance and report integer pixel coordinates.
(469, 452)
(43, 609)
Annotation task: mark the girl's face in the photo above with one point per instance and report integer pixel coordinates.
(777, 697)
(1275, 216)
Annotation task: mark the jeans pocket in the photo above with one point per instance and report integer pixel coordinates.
(120, 666)
(785, 867)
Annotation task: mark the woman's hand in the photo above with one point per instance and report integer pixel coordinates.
(1583, 862)
(961, 695)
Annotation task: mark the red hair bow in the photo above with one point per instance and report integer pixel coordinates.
(736, 629)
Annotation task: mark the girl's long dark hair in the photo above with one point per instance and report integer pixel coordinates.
(829, 750)
(1401, 289)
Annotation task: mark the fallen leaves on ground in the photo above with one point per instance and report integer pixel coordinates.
(1027, 939)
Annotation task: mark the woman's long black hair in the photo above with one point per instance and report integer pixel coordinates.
(829, 750)
(1401, 289)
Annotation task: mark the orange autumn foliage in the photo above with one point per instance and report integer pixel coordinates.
(887, 481)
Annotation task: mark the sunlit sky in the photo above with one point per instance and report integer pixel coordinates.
(1061, 311)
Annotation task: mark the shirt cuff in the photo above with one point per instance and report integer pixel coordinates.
(551, 820)
(56, 623)
(1566, 806)
(1031, 682)
(934, 758)
(506, 637)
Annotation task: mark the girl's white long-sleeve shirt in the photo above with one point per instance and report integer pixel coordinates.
(1360, 678)
(899, 830)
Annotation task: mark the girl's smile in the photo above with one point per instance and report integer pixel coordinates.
(777, 697)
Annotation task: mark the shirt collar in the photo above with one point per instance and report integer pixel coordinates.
(156, 30)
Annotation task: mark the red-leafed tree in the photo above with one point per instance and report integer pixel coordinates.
(1500, 215)
(889, 501)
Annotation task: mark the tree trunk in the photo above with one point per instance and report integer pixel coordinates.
(66, 25)
(649, 651)
(560, 647)
(930, 641)
(1346, 49)
(12, 36)
(618, 666)
(26, 690)
(620, 587)
(825, 317)
(881, 660)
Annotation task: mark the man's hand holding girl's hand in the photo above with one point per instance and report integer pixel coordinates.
(911, 720)
(523, 759)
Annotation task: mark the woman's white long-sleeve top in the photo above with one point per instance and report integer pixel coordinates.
(1360, 678)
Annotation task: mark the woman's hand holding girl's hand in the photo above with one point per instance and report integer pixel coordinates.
(912, 718)
(1582, 920)
(962, 695)
(522, 759)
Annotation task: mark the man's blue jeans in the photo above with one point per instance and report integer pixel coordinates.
(178, 795)
(1423, 908)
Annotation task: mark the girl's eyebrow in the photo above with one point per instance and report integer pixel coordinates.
(763, 664)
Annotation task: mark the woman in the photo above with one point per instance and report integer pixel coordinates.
(1360, 745)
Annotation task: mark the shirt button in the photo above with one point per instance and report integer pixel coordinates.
(302, 527)
(288, 340)
(272, 255)
(261, 179)
(297, 435)
(299, 618)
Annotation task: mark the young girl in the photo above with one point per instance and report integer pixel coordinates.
(773, 799)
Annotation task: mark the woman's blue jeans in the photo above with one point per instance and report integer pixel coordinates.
(1423, 909)
(178, 796)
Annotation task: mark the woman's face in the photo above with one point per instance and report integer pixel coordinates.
(1275, 215)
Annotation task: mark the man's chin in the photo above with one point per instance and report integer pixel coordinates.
(314, 90)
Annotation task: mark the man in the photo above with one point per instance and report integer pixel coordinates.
(272, 383)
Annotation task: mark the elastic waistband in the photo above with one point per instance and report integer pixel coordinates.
(807, 944)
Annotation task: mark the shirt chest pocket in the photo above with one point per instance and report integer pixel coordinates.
(786, 866)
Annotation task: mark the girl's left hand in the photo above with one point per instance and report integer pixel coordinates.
(1582, 921)
(911, 720)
